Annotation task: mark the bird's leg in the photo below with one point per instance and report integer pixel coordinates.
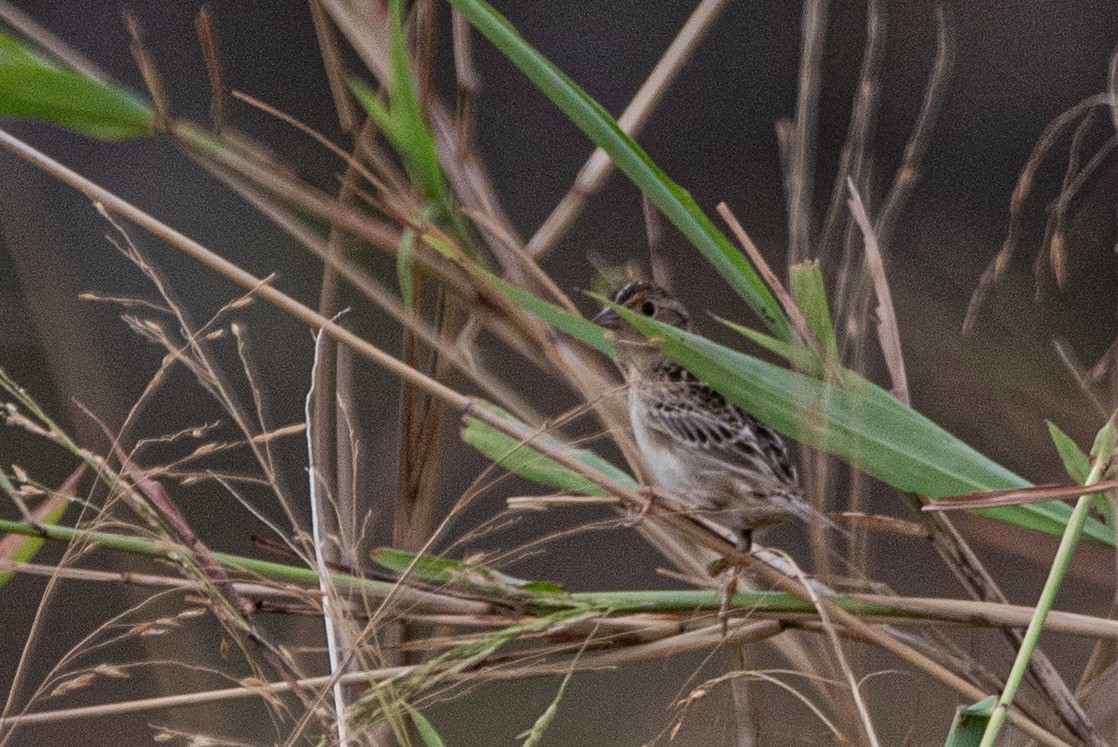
(743, 545)
(745, 540)
(729, 588)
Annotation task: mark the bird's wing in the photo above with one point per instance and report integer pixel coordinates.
(696, 415)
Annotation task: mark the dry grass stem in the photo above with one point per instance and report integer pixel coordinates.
(334, 66)
(906, 176)
(1000, 264)
(868, 735)
(888, 333)
(410, 625)
(854, 162)
(787, 303)
(797, 139)
(207, 38)
(594, 172)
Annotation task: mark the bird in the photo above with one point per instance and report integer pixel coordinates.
(721, 461)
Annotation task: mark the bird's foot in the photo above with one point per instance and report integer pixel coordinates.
(744, 545)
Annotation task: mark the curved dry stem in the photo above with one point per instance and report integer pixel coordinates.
(998, 266)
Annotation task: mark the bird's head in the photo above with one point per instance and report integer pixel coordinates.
(646, 299)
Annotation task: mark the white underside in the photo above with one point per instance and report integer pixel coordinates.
(706, 482)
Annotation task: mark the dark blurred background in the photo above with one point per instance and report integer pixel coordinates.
(1017, 66)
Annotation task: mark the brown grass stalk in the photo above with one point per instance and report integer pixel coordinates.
(593, 173)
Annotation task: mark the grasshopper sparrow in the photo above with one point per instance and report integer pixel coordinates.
(719, 459)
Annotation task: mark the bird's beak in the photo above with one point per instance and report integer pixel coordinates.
(607, 318)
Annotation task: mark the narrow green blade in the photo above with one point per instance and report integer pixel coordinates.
(674, 201)
(35, 88)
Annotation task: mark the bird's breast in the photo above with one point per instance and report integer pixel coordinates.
(664, 458)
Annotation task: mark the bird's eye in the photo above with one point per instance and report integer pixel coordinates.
(648, 308)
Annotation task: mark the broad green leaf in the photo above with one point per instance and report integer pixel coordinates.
(519, 457)
(1077, 463)
(860, 422)
(13, 51)
(970, 723)
(35, 88)
(675, 202)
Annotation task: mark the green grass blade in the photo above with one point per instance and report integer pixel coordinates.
(459, 573)
(35, 88)
(1076, 462)
(861, 423)
(377, 110)
(1105, 439)
(810, 295)
(410, 138)
(1104, 453)
(578, 327)
(800, 357)
(18, 549)
(534, 737)
(675, 202)
(426, 732)
(417, 142)
(1101, 450)
(401, 119)
(23, 548)
(518, 457)
(970, 722)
